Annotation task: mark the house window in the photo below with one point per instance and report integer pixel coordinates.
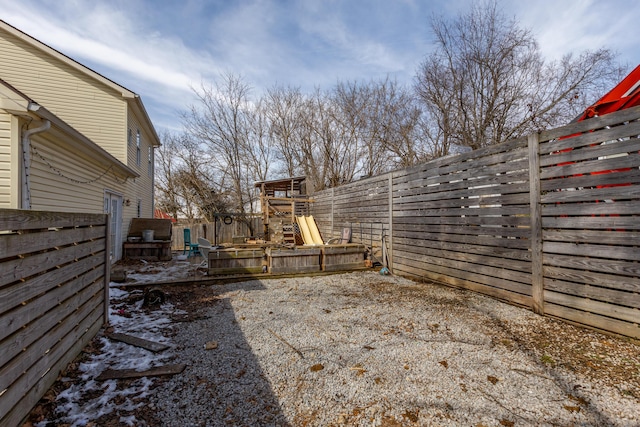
(150, 161)
(129, 137)
(139, 209)
(138, 148)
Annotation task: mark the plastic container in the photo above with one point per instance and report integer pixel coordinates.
(147, 235)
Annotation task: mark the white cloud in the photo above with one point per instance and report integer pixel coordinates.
(298, 43)
(563, 27)
(160, 68)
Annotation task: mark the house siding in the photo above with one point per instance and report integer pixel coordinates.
(94, 109)
(64, 180)
(142, 186)
(99, 109)
(8, 161)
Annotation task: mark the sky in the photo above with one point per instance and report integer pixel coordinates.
(164, 49)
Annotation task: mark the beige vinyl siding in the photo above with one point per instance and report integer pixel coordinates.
(142, 188)
(94, 109)
(8, 197)
(63, 180)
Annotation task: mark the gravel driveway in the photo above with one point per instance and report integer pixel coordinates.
(361, 349)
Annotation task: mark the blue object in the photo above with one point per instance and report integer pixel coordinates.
(191, 247)
(384, 271)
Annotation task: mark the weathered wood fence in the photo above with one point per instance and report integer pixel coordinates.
(550, 221)
(216, 232)
(54, 275)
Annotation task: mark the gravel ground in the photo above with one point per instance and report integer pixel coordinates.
(361, 349)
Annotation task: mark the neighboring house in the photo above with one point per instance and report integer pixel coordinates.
(89, 141)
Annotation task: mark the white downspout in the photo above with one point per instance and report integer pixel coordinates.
(26, 156)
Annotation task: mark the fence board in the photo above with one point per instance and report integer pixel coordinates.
(627, 284)
(440, 183)
(472, 220)
(15, 295)
(628, 115)
(11, 219)
(471, 257)
(591, 152)
(38, 313)
(508, 254)
(593, 251)
(450, 277)
(593, 320)
(598, 293)
(485, 274)
(485, 200)
(601, 223)
(597, 165)
(590, 236)
(573, 182)
(616, 312)
(464, 196)
(511, 246)
(224, 233)
(598, 265)
(50, 358)
(19, 244)
(22, 268)
(31, 354)
(589, 209)
(53, 289)
(75, 345)
(618, 136)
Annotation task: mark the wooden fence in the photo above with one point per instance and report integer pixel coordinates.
(550, 221)
(221, 231)
(54, 275)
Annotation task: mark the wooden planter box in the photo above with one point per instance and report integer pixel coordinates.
(297, 260)
(235, 261)
(157, 250)
(349, 256)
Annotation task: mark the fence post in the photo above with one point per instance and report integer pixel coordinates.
(390, 237)
(107, 266)
(537, 280)
(332, 196)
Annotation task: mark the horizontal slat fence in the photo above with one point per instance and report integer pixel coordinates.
(361, 206)
(590, 215)
(54, 275)
(219, 231)
(550, 221)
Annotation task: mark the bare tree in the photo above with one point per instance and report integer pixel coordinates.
(487, 82)
(222, 121)
(167, 191)
(393, 119)
(186, 185)
(284, 108)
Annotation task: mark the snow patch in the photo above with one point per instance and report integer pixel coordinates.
(86, 400)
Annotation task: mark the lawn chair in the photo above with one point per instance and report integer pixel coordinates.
(204, 246)
(188, 246)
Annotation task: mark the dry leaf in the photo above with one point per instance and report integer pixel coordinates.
(211, 345)
(317, 367)
(444, 363)
(492, 379)
(571, 408)
(411, 416)
(507, 423)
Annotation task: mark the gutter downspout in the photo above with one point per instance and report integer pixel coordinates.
(26, 155)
